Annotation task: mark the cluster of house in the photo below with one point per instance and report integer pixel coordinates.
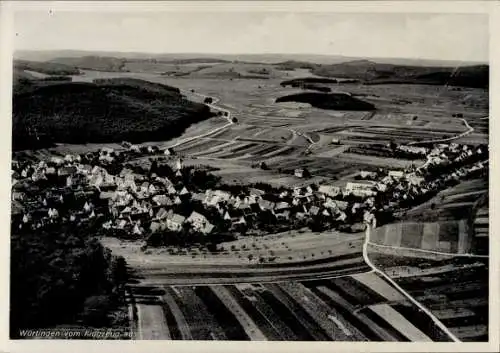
(140, 204)
(446, 153)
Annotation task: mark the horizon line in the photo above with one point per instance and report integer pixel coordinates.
(206, 54)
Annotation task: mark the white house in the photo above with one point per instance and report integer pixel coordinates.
(329, 190)
(360, 189)
(415, 180)
(366, 174)
(197, 220)
(397, 174)
(175, 222)
(162, 200)
(53, 213)
(57, 160)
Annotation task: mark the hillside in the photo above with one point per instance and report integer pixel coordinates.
(103, 111)
(227, 67)
(334, 101)
(376, 73)
(98, 63)
(48, 68)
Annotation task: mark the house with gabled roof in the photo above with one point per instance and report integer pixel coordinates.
(171, 190)
(207, 229)
(162, 200)
(298, 191)
(53, 213)
(155, 227)
(284, 194)
(330, 203)
(256, 192)
(38, 175)
(198, 196)
(329, 190)
(50, 171)
(314, 210)
(197, 220)
(18, 196)
(137, 230)
(175, 222)
(396, 174)
(163, 214)
(284, 215)
(282, 206)
(57, 160)
(341, 217)
(144, 187)
(265, 204)
(239, 221)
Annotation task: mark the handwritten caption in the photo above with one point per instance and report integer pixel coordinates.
(76, 333)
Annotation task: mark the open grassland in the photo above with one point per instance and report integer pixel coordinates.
(455, 289)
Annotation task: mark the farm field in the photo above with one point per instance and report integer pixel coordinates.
(446, 236)
(453, 203)
(299, 255)
(280, 134)
(318, 287)
(454, 289)
(481, 227)
(342, 309)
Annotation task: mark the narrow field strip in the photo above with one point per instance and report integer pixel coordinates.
(299, 313)
(151, 323)
(249, 326)
(179, 317)
(399, 322)
(369, 328)
(377, 284)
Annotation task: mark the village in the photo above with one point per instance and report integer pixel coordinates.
(166, 205)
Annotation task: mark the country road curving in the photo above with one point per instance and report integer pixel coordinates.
(213, 106)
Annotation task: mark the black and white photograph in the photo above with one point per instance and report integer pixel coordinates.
(211, 172)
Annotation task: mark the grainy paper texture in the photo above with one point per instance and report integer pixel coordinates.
(256, 175)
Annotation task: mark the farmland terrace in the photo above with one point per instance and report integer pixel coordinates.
(335, 142)
(321, 286)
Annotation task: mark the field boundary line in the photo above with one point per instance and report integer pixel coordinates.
(429, 251)
(398, 287)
